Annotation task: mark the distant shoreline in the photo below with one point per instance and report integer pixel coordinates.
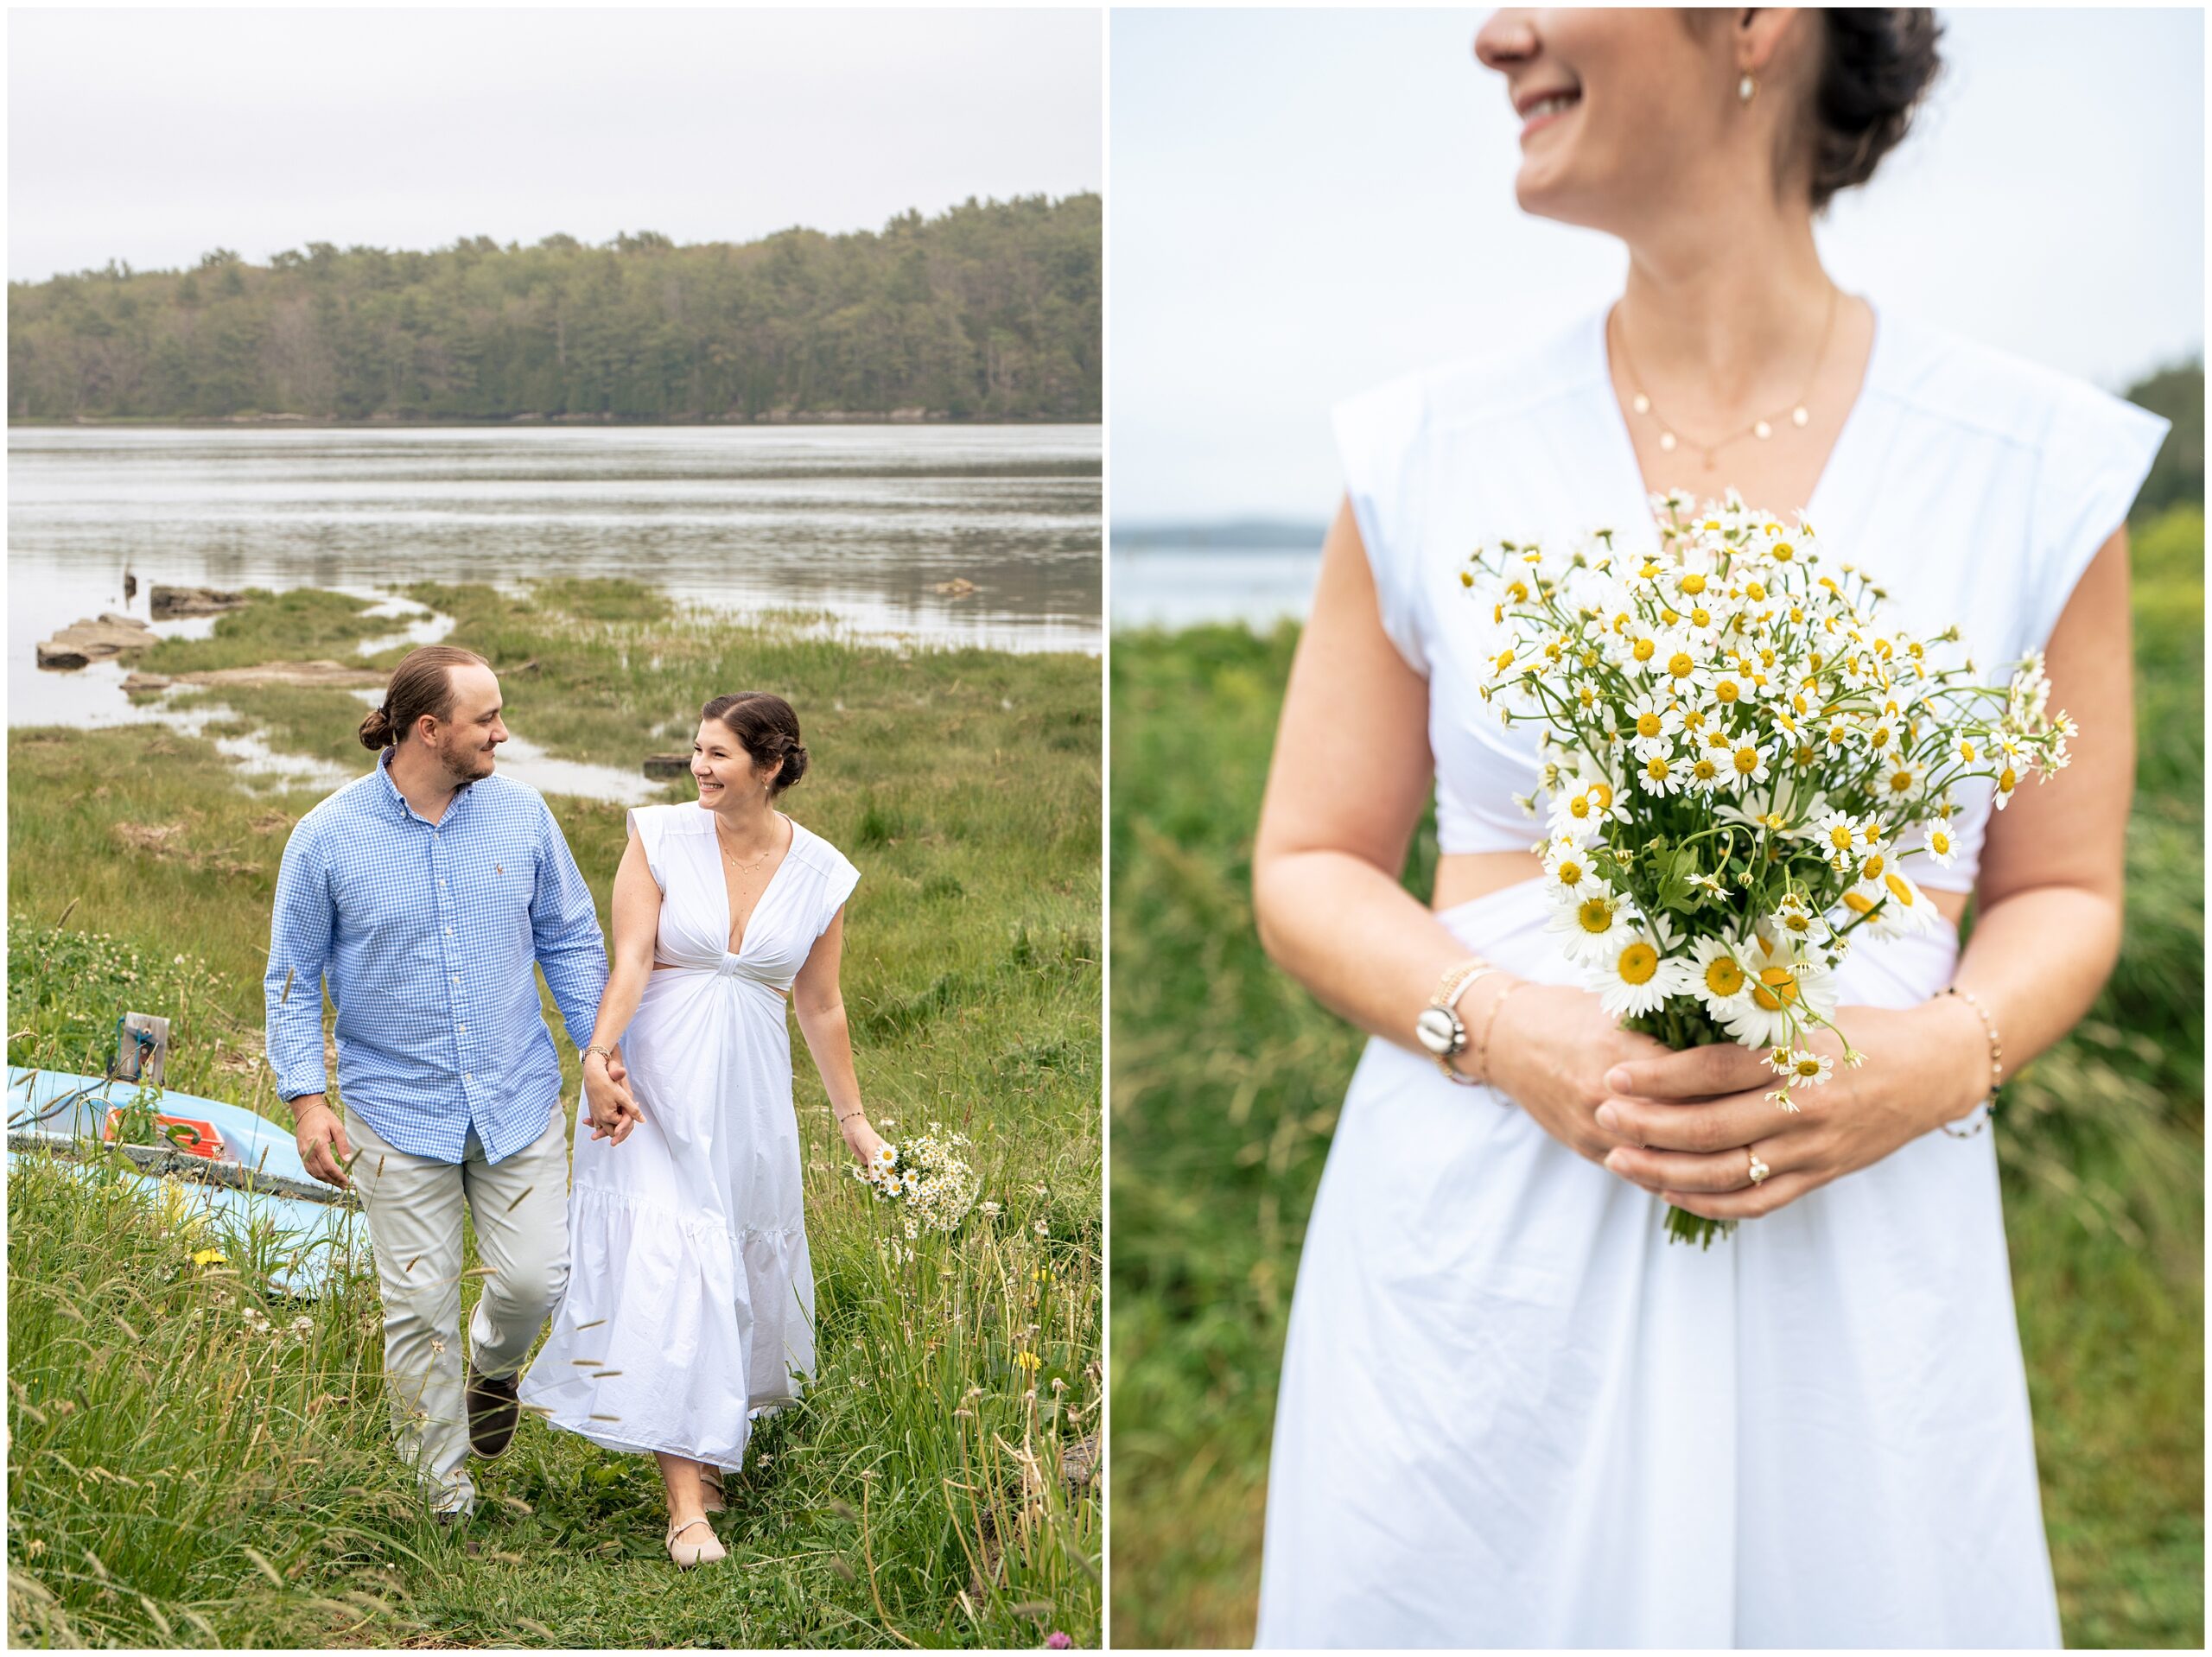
(501, 422)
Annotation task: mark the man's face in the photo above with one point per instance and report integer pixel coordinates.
(465, 740)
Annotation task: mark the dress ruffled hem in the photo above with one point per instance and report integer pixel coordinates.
(675, 1331)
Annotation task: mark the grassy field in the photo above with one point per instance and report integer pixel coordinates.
(198, 1462)
(1227, 1078)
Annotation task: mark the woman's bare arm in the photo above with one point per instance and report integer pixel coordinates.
(819, 1000)
(636, 917)
(1350, 773)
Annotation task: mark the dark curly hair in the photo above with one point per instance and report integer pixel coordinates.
(1877, 64)
(766, 727)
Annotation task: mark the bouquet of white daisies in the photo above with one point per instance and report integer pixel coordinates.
(1742, 766)
(926, 1172)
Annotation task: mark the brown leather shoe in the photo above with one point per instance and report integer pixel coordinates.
(493, 1410)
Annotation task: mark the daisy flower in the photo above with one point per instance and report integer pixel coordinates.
(1637, 977)
(1661, 773)
(1719, 975)
(1567, 867)
(1599, 924)
(1656, 719)
(1746, 766)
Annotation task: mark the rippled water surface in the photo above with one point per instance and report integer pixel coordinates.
(864, 522)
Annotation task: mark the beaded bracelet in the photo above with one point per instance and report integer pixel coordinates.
(1996, 1063)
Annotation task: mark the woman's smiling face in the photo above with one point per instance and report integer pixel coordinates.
(1626, 112)
(721, 766)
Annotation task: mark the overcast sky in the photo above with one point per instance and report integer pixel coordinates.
(152, 136)
(1306, 203)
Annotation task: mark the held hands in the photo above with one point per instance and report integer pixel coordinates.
(1563, 1042)
(1691, 1121)
(321, 1139)
(863, 1140)
(612, 1109)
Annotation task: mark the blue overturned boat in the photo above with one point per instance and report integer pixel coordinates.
(236, 1176)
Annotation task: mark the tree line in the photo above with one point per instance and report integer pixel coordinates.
(990, 310)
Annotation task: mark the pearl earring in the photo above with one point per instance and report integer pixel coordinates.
(1747, 88)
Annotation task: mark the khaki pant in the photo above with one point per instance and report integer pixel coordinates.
(414, 1204)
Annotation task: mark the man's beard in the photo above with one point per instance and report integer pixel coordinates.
(465, 762)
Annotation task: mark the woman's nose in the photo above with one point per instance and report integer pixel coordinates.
(1507, 37)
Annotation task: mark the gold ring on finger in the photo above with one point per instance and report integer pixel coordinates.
(1759, 1171)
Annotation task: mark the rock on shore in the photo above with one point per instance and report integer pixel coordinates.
(82, 643)
(170, 602)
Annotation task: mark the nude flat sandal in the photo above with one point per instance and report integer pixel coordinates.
(686, 1554)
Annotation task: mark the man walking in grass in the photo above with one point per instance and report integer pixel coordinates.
(421, 894)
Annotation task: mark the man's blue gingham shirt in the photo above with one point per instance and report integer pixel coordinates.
(425, 934)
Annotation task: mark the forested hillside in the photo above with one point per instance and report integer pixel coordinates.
(989, 311)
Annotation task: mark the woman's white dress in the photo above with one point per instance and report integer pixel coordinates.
(1511, 1412)
(689, 1304)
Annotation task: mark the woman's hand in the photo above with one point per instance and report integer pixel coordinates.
(1692, 1120)
(1550, 1053)
(863, 1140)
(613, 1112)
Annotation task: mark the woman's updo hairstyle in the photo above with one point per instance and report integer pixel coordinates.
(766, 727)
(422, 683)
(1877, 64)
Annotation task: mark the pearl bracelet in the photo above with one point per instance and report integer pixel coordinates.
(1996, 1063)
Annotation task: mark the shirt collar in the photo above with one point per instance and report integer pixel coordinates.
(399, 801)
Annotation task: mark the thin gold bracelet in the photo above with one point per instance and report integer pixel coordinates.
(1996, 1063)
(1490, 1027)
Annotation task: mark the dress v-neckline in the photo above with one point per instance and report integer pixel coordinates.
(1645, 533)
(722, 879)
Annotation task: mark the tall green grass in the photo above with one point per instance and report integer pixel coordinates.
(933, 1486)
(1227, 1079)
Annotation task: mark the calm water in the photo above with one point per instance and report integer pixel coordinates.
(1177, 586)
(861, 521)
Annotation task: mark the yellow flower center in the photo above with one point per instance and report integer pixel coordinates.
(1784, 552)
(1723, 976)
(1704, 771)
(1655, 768)
(1747, 760)
(1871, 870)
(1570, 874)
(1681, 665)
(1648, 724)
(1966, 752)
(1595, 915)
(1604, 793)
(2008, 779)
(1579, 806)
(1503, 660)
(1775, 989)
(1726, 691)
(1857, 902)
(1808, 1067)
(1840, 837)
(1940, 843)
(1693, 584)
(1637, 962)
(1643, 650)
(1899, 890)
(1900, 782)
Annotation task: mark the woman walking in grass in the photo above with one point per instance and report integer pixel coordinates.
(689, 1306)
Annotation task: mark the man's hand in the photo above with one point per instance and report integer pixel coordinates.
(322, 1141)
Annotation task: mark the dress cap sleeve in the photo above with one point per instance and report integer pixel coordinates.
(650, 824)
(837, 884)
(1377, 434)
(2096, 452)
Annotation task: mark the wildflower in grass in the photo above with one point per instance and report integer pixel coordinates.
(1028, 1360)
(206, 1257)
(1058, 1640)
